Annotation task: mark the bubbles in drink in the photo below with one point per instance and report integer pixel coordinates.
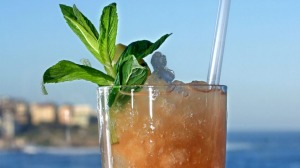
(175, 157)
(166, 106)
(120, 162)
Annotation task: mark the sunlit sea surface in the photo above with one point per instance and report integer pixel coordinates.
(244, 150)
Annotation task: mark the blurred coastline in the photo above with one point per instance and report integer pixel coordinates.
(24, 123)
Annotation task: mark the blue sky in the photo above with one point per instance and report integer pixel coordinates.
(260, 66)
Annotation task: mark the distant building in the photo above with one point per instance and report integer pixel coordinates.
(42, 113)
(22, 115)
(6, 104)
(19, 115)
(8, 124)
(65, 114)
(1, 127)
(81, 115)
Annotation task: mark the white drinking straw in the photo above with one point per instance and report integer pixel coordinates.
(214, 72)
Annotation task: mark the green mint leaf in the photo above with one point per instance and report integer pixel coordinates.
(68, 71)
(85, 22)
(132, 72)
(112, 96)
(82, 28)
(141, 49)
(107, 40)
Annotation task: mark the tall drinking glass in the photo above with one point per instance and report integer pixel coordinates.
(163, 126)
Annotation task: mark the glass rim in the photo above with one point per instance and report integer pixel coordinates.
(168, 85)
(163, 89)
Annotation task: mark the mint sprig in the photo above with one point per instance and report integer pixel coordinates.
(123, 65)
(122, 68)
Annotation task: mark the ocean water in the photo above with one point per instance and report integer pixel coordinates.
(263, 150)
(244, 150)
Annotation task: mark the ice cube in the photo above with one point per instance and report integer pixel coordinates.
(177, 86)
(199, 86)
(165, 74)
(158, 60)
(159, 63)
(198, 83)
(153, 79)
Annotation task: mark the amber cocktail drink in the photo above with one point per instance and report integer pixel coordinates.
(163, 126)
